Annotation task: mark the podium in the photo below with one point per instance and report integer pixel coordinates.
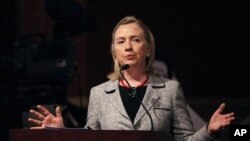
(85, 135)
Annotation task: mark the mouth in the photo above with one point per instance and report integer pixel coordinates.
(130, 57)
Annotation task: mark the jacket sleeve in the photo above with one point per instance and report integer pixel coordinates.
(182, 125)
(92, 116)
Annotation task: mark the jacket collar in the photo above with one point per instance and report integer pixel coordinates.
(154, 82)
(150, 97)
(112, 90)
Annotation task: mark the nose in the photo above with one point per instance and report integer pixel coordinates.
(128, 46)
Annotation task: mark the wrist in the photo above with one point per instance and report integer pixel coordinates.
(212, 133)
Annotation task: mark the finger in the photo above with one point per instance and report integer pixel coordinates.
(58, 112)
(221, 108)
(226, 124)
(38, 127)
(230, 119)
(37, 122)
(43, 110)
(37, 114)
(229, 115)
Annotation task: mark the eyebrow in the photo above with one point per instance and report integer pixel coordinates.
(131, 37)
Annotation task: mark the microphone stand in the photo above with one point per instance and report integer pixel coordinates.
(134, 95)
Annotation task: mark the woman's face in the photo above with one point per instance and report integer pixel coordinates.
(130, 46)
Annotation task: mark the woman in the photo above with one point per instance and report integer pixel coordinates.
(159, 103)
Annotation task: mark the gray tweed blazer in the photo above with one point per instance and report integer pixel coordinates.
(163, 99)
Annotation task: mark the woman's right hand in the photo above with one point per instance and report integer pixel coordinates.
(43, 118)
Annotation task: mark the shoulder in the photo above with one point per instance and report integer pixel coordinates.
(102, 85)
(105, 86)
(157, 80)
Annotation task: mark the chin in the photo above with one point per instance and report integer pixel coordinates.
(130, 63)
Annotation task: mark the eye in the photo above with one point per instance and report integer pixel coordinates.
(137, 40)
(119, 42)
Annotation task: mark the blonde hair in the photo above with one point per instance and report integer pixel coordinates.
(149, 39)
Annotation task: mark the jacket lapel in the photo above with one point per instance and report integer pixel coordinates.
(113, 94)
(150, 98)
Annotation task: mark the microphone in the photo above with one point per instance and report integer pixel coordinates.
(124, 67)
(134, 94)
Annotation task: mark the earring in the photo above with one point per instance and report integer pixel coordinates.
(148, 55)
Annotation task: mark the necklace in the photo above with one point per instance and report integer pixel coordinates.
(141, 85)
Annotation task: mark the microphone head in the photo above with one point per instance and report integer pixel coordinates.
(125, 66)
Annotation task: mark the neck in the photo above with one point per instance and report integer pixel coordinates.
(135, 78)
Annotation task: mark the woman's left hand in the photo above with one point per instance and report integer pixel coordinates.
(219, 121)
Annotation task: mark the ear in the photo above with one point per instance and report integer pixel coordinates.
(148, 51)
(113, 51)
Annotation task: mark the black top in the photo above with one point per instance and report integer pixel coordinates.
(130, 103)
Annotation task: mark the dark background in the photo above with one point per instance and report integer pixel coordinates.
(204, 43)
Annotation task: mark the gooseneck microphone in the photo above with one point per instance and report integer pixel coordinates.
(134, 94)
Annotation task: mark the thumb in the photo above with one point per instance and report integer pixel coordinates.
(58, 112)
(221, 108)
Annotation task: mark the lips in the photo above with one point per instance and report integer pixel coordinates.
(130, 56)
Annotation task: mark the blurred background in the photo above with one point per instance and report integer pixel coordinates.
(53, 51)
